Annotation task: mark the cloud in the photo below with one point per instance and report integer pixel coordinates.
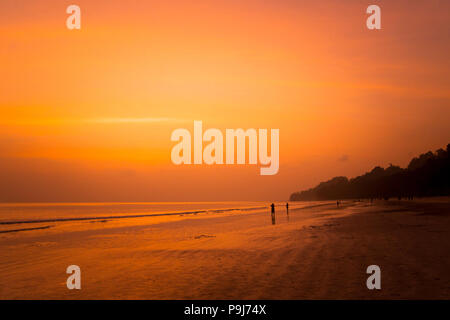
(131, 120)
(343, 158)
(75, 121)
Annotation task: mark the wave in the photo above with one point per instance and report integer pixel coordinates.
(127, 216)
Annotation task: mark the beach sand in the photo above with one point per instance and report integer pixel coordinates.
(315, 252)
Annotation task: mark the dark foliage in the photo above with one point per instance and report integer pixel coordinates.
(427, 175)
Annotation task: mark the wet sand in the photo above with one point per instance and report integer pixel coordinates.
(318, 252)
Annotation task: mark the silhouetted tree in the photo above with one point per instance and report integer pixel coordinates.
(426, 175)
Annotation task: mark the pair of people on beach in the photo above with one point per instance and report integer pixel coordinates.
(273, 207)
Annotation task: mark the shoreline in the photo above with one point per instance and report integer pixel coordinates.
(320, 252)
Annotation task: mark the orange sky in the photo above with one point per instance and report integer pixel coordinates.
(86, 115)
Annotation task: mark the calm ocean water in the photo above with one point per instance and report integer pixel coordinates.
(13, 212)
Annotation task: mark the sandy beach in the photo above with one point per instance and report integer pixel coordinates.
(318, 251)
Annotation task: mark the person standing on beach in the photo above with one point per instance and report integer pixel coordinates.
(287, 207)
(273, 213)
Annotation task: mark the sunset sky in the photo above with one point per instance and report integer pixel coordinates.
(86, 115)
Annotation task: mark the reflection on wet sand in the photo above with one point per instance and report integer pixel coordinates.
(236, 255)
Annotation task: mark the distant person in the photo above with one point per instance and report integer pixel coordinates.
(337, 203)
(287, 207)
(273, 213)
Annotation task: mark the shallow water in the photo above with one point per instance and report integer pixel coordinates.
(12, 213)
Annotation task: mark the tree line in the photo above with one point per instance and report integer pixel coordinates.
(427, 175)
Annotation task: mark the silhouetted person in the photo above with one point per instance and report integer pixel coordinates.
(337, 203)
(272, 206)
(287, 208)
